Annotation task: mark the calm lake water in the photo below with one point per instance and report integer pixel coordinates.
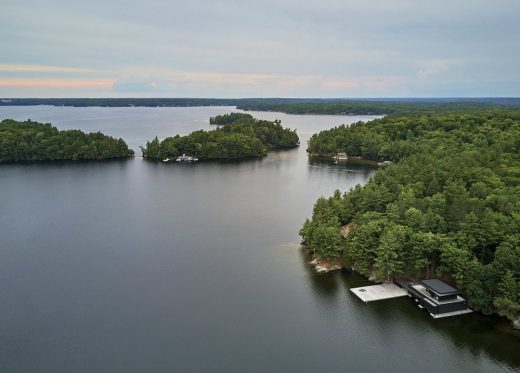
(134, 266)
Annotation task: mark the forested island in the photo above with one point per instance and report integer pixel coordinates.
(241, 136)
(449, 207)
(33, 141)
(231, 118)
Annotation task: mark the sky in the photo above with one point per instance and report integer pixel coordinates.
(262, 48)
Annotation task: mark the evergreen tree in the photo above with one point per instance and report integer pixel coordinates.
(387, 262)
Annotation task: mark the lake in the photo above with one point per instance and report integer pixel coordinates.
(136, 266)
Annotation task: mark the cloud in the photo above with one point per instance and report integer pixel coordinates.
(44, 69)
(133, 86)
(435, 68)
(384, 84)
(217, 78)
(56, 83)
(339, 84)
(269, 47)
(210, 84)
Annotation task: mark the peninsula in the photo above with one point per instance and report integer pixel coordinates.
(448, 207)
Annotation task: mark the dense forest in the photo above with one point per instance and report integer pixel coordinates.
(33, 141)
(242, 137)
(379, 107)
(449, 207)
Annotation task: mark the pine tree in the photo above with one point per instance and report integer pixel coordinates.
(387, 261)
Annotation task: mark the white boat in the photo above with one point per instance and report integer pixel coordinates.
(166, 160)
(187, 158)
(340, 157)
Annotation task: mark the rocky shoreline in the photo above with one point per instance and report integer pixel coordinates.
(325, 265)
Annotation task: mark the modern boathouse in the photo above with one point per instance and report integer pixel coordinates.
(438, 298)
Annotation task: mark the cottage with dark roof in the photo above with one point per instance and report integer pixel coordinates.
(438, 298)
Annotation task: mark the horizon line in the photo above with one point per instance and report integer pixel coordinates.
(261, 98)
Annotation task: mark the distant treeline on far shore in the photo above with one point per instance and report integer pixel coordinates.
(336, 106)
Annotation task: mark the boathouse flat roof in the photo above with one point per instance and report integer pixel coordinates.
(439, 287)
(429, 298)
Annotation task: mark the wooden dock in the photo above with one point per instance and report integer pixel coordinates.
(379, 292)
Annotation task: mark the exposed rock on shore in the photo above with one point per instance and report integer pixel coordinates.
(323, 265)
